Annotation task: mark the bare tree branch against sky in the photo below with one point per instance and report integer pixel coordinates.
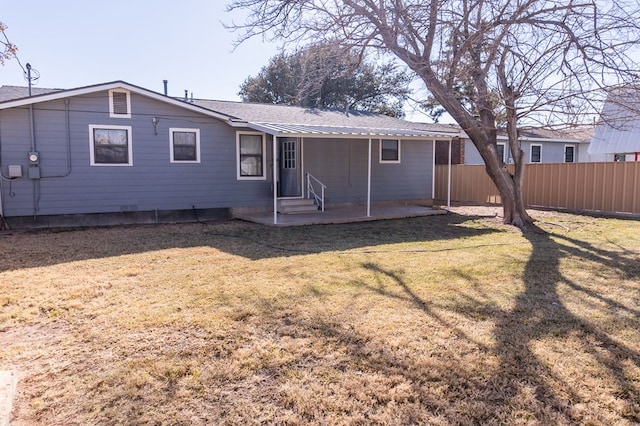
(527, 61)
(8, 49)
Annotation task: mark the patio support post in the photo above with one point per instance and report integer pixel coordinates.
(449, 180)
(275, 180)
(369, 183)
(433, 171)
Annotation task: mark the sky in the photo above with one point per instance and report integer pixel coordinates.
(75, 43)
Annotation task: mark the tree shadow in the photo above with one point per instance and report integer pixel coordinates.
(528, 384)
(521, 384)
(26, 249)
(540, 314)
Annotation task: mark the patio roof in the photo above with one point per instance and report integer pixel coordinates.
(297, 121)
(305, 130)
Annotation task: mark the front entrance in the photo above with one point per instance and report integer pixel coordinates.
(290, 170)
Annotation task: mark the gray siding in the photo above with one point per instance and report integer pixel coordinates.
(151, 183)
(471, 154)
(551, 152)
(341, 164)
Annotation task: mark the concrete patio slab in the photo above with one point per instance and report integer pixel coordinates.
(342, 214)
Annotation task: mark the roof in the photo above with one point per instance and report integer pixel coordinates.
(581, 134)
(45, 95)
(619, 128)
(277, 120)
(286, 120)
(8, 93)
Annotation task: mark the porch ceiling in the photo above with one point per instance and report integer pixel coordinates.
(305, 130)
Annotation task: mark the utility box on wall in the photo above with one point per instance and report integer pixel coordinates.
(15, 171)
(34, 172)
(34, 165)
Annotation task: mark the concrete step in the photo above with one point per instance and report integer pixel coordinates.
(297, 205)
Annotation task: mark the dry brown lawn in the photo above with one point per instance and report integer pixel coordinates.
(448, 320)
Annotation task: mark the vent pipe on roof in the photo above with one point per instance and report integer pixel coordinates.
(165, 82)
(186, 95)
(191, 97)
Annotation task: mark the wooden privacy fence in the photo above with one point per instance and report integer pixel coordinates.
(606, 187)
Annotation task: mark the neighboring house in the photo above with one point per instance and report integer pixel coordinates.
(116, 148)
(540, 146)
(617, 136)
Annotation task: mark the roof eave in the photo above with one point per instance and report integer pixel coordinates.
(62, 94)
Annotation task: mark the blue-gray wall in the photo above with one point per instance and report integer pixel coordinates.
(151, 183)
(552, 152)
(341, 164)
(154, 183)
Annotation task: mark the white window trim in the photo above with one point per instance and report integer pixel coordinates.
(531, 153)
(504, 151)
(381, 161)
(110, 127)
(264, 157)
(112, 114)
(564, 153)
(179, 129)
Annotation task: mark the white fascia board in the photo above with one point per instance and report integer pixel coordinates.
(528, 139)
(259, 127)
(62, 94)
(553, 140)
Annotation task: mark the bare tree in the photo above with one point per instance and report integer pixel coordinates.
(528, 61)
(7, 49)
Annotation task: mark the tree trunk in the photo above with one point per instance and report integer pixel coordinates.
(484, 137)
(510, 188)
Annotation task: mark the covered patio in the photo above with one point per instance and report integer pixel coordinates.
(342, 214)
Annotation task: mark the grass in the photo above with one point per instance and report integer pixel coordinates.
(441, 320)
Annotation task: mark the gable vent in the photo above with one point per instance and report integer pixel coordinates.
(120, 106)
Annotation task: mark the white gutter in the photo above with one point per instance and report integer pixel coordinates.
(541, 139)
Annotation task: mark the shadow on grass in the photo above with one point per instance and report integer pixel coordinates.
(29, 249)
(464, 380)
(528, 383)
(539, 314)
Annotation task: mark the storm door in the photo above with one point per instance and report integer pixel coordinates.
(290, 173)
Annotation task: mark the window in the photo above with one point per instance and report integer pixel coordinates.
(251, 156)
(619, 157)
(289, 154)
(184, 145)
(501, 151)
(569, 153)
(119, 103)
(389, 151)
(536, 153)
(110, 145)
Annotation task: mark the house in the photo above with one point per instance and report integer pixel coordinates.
(541, 146)
(116, 149)
(617, 136)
